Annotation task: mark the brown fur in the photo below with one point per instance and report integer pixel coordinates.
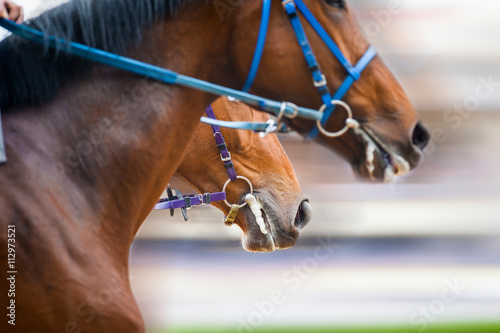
(76, 218)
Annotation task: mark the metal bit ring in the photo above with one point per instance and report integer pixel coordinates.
(350, 121)
(242, 178)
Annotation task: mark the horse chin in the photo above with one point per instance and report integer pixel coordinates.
(254, 240)
(381, 163)
(277, 237)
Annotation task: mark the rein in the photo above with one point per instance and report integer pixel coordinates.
(279, 109)
(154, 72)
(178, 201)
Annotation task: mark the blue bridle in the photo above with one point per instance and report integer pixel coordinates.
(319, 79)
(280, 109)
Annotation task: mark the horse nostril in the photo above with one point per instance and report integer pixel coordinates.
(421, 136)
(304, 215)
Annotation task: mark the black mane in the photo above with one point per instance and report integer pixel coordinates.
(31, 73)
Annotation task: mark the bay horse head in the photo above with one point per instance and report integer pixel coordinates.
(390, 139)
(264, 163)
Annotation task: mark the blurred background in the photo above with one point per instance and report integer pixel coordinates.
(420, 255)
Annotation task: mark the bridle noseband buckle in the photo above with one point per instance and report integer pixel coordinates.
(207, 199)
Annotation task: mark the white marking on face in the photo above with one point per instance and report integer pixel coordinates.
(389, 175)
(256, 208)
(370, 157)
(403, 169)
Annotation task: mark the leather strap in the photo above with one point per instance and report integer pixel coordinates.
(354, 72)
(261, 41)
(221, 144)
(190, 200)
(244, 125)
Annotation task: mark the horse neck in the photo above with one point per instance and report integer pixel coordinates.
(114, 140)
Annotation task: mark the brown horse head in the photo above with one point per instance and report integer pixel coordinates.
(261, 160)
(390, 139)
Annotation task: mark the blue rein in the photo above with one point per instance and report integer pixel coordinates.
(154, 72)
(279, 109)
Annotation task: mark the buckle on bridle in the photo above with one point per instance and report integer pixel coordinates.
(207, 199)
(225, 159)
(322, 83)
(295, 109)
(286, 2)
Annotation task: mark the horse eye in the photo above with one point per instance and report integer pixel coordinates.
(336, 3)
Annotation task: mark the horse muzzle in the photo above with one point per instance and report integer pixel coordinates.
(384, 161)
(281, 227)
